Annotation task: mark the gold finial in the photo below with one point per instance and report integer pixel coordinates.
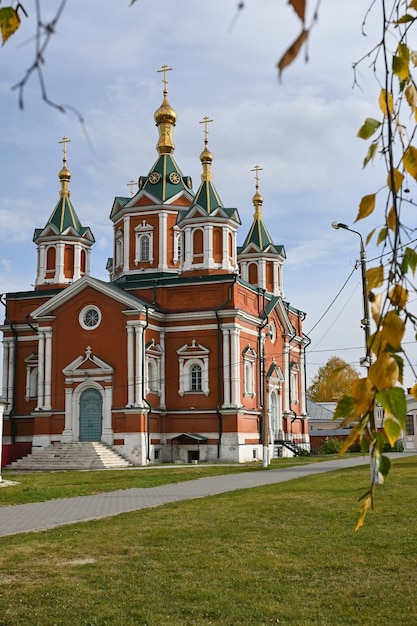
(164, 69)
(131, 184)
(64, 175)
(206, 157)
(257, 198)
(165, 118)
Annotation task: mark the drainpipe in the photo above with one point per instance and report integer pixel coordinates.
(12, 403)
(219, 363)
(149, 408)
(263, 436)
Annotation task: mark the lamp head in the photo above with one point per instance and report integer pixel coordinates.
(337, 225)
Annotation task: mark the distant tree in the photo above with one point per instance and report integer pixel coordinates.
(332, 381)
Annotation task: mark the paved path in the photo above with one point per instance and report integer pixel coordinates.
(40, 516)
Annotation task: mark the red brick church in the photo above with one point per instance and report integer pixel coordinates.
(188, 352)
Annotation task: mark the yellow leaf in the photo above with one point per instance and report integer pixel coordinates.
(363, 396)
(392, 220)
(292, 52)
(395, 178)
(299, 7)
(376, 307)
(413, 57)
(410, 93)
(413, 5)
(392, 428)
(365, 506)
(375, 277)
(370, 235)
(384, 373)
(400, 66)
(9, 22)
(386, 102)
(393, 329)
(398, 296)
(366, 206)
(413, 391)
(372, 150)
(410, 161)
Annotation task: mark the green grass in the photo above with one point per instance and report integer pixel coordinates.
(42, 486)
(280, 554)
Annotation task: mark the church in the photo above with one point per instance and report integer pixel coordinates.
(189, 352)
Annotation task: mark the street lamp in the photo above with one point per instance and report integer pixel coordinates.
(376, 476)
(366, 321)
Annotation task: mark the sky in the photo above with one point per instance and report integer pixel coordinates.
(300, 130)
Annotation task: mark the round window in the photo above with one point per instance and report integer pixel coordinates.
(90, 317)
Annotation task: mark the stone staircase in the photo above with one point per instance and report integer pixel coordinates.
(71, 456)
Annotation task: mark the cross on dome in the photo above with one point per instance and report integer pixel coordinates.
(257, 169)
(64, 149)
(206, 121)
(164, 69)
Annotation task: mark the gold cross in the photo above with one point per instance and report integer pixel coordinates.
(206, 120)
(257, 169)
(164, 69)
(131, 184)
(65, 141)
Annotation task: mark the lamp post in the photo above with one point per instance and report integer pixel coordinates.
(366, 321)
(376, 476)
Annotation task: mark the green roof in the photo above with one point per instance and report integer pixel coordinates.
(165, 179)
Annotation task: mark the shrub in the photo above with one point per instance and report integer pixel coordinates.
(331, 446)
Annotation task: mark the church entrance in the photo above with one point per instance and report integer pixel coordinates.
(91, 416)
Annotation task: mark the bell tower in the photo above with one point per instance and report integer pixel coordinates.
(63, 245)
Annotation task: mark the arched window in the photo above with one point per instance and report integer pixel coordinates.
(153, 382)
(273, 407)
(196, 378)
(144, 248)
(253, 274)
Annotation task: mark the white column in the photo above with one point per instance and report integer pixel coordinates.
(244, 270)
(2, 407)
(208, 260)
(126, 241)
(139, 362)
(130, 366)
(48, 369)
(226, 367)
(88, 261)
(68, 435)
(41, 369)
(235, 367)
(188, 252)
(5, 385)
(303, 404)
(276, 278)
(10, 375)
(262, 274)
(286, 385)
(77, 261)
(41, 265)
(225, 252)
(163, 238)
(162, 372)
(107, 434)
(59, 268)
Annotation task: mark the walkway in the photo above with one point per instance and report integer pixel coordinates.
(40, 516)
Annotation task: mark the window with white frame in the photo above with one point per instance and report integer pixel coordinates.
(249, 359)
(144, 243)
(294, 382)
(196, 377)
(31, 377)
(153, 367)
(193, 369)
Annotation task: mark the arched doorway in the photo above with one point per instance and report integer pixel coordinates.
(91, 415)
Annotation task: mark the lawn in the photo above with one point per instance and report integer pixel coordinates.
(280, 554)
